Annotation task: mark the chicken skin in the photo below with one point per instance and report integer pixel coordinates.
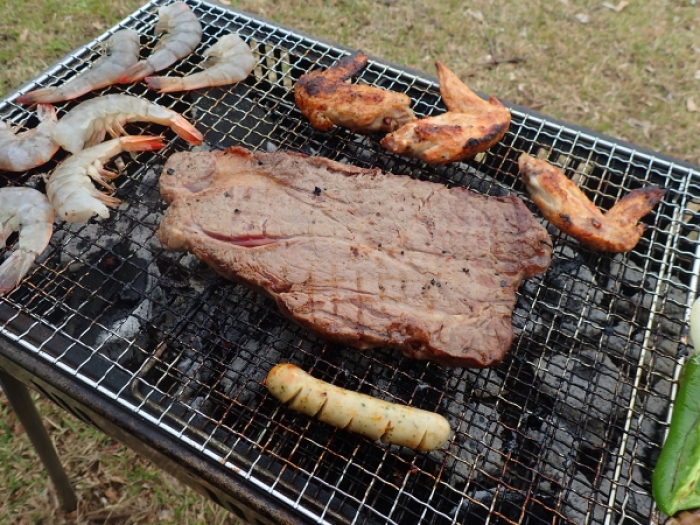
(471, 125)
(564, 205)
(326, 98)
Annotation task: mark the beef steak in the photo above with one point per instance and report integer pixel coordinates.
(356, 255)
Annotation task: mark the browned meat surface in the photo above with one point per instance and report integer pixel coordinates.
(358, 256)
(564, 204)
(471, 125)
(326, 98)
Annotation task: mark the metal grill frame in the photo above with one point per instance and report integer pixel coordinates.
(148, 401)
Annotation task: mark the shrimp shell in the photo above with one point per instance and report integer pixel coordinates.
(122, 52)
(87, 123)
(229, 61)
(70, 189)
(28, 149)
(27, 211)
(183, 35)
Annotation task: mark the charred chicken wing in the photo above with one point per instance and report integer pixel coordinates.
(471, 125)
(563, 204)
(326, 98)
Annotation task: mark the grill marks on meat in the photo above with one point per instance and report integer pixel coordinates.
(326, 98)
(470, 126)
(358, 256)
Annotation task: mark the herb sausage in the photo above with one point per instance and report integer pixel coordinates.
(374, 418)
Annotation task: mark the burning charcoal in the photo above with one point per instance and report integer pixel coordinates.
(187, 365)
(484, 439)
(478, 383)
(471, 512)
(558, 446)
(635, 491)
(665, 358)
(79, 242)
(480, 447)
(629, 278)
(657, 406)
(588, 393)
(598, 312)
(580, 505)
(620, 341)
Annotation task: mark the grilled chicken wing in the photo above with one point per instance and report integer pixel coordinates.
(471, 125)
(326, 98)
(563, 204)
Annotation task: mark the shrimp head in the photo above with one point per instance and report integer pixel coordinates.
(28, 149)
(88, 123)
(70, 189)
(183, 33)
(27, 211)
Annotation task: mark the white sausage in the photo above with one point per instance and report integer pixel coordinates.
(376, 419)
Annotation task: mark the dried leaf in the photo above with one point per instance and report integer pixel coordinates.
(23, 36)
(225, 2)
(476, 15)
(112, 495)
(645, 125)
(617, 8)
(167, 514)
(691, 105)
(98, 25)
(583, 18)
(697, 75)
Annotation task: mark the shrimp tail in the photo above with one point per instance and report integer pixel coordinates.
(46, 112)
(14, 269)
(135, 72)
(165, 84)
(185, 130)
(141, 143)
(39, 96)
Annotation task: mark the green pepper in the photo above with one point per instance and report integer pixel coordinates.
(676, 478)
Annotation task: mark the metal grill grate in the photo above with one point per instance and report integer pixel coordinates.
(566, 430)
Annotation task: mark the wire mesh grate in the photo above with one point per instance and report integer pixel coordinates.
(565, 430)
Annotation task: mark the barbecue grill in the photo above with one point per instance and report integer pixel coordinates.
(155, 349)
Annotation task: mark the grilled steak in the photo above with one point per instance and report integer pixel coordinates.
(356, 255)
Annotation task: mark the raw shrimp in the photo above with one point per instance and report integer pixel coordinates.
(228, 61)
(27, 211)
(184, 33)
(122, 51)
(28, 149)
(87, 123)
(70, 189)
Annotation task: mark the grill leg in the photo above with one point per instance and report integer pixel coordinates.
(21, 402)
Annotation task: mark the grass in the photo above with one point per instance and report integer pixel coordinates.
(631, 72)
(114, 485)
